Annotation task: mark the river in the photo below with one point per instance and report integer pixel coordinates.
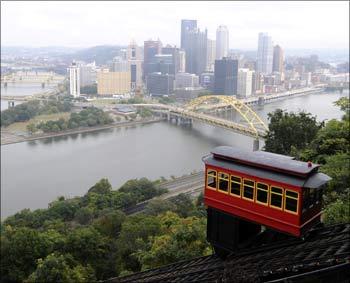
(36, 173)
(21, 89)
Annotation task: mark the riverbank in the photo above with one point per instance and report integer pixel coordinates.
(11, 138)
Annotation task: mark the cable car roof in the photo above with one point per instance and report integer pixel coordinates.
(266, 160)
(314, 180)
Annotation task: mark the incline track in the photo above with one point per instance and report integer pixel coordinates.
(323, 249)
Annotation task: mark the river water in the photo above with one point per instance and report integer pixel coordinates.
(36, 173)
(21, 89)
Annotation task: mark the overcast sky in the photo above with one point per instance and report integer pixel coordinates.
(82, 24)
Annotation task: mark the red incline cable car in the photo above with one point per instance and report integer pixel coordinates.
(244, 190)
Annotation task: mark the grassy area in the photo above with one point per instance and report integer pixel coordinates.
(22, 126)
(105, 101)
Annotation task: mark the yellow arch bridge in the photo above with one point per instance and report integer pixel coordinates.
(253, 126)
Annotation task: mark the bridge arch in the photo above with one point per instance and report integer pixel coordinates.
(253, 120)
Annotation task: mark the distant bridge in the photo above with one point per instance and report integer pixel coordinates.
(254, 126)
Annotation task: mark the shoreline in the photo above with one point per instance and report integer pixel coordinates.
(77, 131)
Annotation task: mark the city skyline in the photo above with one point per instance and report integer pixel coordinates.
(37, 24)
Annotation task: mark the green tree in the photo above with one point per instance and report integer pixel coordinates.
(290, 129)
(134, 236)
(61, 268)
(101, 187)
(158, 206)
(110, 223)
(181, 239)
(337, 212)
(31, 128)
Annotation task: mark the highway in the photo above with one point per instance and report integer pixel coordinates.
(189, 185)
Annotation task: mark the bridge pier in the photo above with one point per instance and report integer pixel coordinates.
(11, 104)
(256, 144)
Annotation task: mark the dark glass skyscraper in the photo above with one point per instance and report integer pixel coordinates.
(226, 76)
(151, 48)
(186, 25)
(196, 51)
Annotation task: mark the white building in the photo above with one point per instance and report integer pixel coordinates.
(183, 80)
(222, 42)
(135, 65)
(244, 83)
(74, 79)
(182, 61)
(265, 54)
(211, 53)
(88, 74)
(119, 65)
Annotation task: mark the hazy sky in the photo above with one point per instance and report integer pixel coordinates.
(82, 24)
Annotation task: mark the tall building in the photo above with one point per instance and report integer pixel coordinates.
(277, 65)
(265, 54)
(163, 63)
(175, 52)
(151, 49)
(87, 74)
(160, 84)
(113, 83)
(244, 83)
(196, 51)
(211, 54)
(182, 61)
(74, 79)
(119, 65)
(222, 42)
(135, 65)
(183, 80)
(226, 72)
(186, 25)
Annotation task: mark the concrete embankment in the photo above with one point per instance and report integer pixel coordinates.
(10, 138)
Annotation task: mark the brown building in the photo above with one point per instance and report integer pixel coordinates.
(113, 83)
(277, 65)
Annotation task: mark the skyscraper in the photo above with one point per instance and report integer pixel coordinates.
(265, 54)
(175, 52)
(186, 25)
(244, 83)
(135, 65)
(277, 59)
(222, 42)
(196, 51)
(74, 79)
(151, 48)
(211, 53)
(182, 61)
(226, 72)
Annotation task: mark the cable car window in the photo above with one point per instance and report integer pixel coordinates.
(276, 197)
(236, 186)
(262, 191)
(223, 182)
(312, 195)
(248, 189)
(211, 179)
(305, 198)
(291, 201)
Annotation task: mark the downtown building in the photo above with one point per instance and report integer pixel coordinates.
(151, 49)
(244, 83)
(211, 55)
(134, 61)
(195, 46)
(277, 65)
(186, 26)
(226, 76)
(222, 42)
(264, 62)
(74, 79)
(113, 83)
(159, 84)
(184, 80)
